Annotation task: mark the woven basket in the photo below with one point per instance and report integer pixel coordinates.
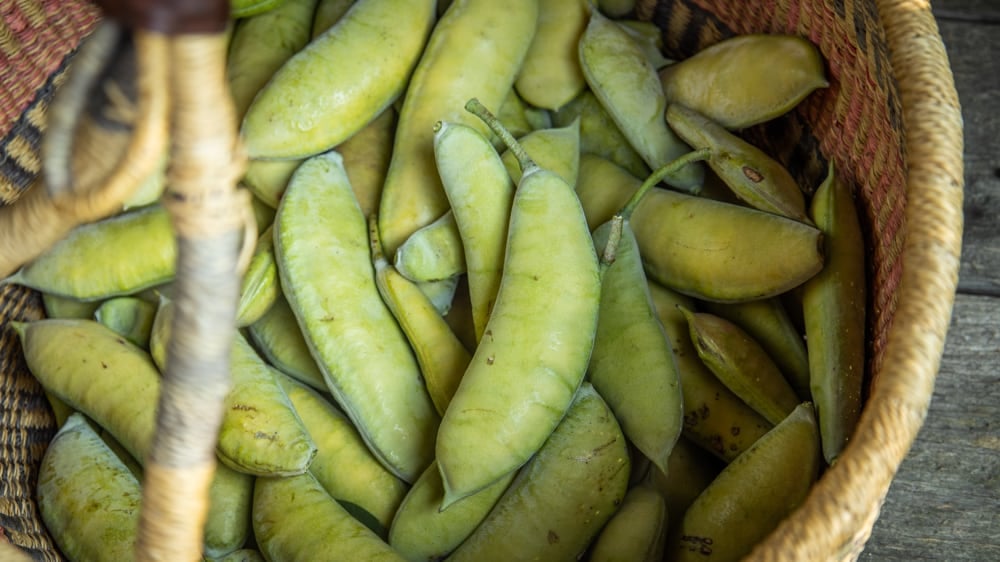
(890, 119)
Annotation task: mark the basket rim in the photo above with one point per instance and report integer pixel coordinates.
(830, 526)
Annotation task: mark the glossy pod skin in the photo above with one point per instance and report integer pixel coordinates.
(561, 499)
(599, 134)
(113, 257)
(277, 337)
(742, 365)
(433, 252)
(259, 287)
(422, 531)
(618, 73)
(295, 519)
(753, 494)
(833, 306)
(122, 399)
(376, 380)
(480, 192)
(130, 317)
(709, 249)
(475, 50)
(632, 365)
(756, 178)
(535, 348)
(770, 325)
(747, 79)
(306, 108)
(714, 418)
(88, 498)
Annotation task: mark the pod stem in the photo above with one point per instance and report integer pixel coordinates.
(475, 107)
(610, 252)
(656, 177)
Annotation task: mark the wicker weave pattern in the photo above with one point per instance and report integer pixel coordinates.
(909, 186)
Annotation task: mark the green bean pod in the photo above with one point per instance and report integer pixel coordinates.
(88, 498)
(556, 149)
(475, 50)
(480, 192)
(441, 356)
(440, 293)
(241, 555)
(364, 356)
(261, 44)
(117, 385)
(366, 159)
(267, 179)
(259, 287)
(422, 531)
(519, 117)
(432, 252)
(705, 248)
(306, 108)
(65, 307)
(343, 464)
(833, 306)
(112, 257)
(550, 75)
(690, 469)
(769, 324)
(278, 338)
(130, 317)
(752, 495)
(714, 418)
(636, 531)
(618, 73)
(756, 178)
(295, 519)
(560, 500)
(328, 13)
(742, 365)
(649, 37)
(746, 79)
(599, 134)
(534, 351)
(632, 365)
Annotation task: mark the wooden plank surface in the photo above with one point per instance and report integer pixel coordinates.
(945, 501)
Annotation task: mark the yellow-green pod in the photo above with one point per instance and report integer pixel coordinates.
(365, 359)
(263, 214)
(649, 37)
(295, 519)
(709, 249)
(475, 50)
(690, 469)
(632, 364)
(366, 159)
(616, 8)
(460, 315)
(267, 179)
(519, 117)
(756, 178)
(599, 135)
(550, 75)
(833, 306)
(65, 307)
(130, 317)
(441, 356)
(627, 86)
(306, 109)
(259, 287)
(432, 253)
(440, 293)
(328, 13)
(261, 44)
(278, 338)
(556, 149)
(636, 531)
(746, 79)
(480, 192)
(343, 464)
(247, 8)
(112, 257)
(752, 495)
(714, 418)
(88, 498)
(562, 498)
(117, 385)
(600, 197)
(421, 531)
(742, 365)
(241, 555)
(534, 351)
(769, 324)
